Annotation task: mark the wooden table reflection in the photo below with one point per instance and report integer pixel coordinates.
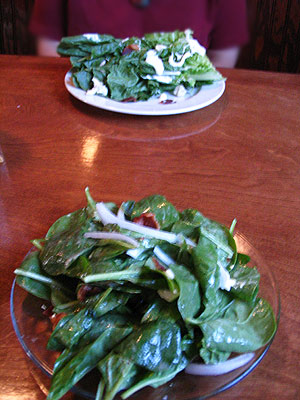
(238, 158)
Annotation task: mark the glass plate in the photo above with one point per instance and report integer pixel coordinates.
(203, 97)
(33, 330)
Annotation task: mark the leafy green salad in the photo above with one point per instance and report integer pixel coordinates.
(136, 69)
(142, 291)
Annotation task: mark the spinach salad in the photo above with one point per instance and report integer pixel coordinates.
(141, 291)
(136, 69)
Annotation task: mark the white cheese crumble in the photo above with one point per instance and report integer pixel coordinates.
(226, 282)
(135, 253)
(179, 91)
(163, 97)
(156, 62)
(92, 36)
(170, 274)
(98, 88)
(160, 47)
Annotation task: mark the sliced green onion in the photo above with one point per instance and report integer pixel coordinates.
(40, 278)
(37, 243)
(112, 236)
(232, 226)
(111, 276)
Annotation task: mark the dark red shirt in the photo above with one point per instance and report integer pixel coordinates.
(217, 24)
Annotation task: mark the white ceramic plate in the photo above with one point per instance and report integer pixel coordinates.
(203, 97)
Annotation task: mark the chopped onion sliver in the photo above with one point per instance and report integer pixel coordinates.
(190, 242)
(135, 253)
(162, 256)
(107, 217)
(111, 235)
(221, 368)
(121, 214)
(181, 239)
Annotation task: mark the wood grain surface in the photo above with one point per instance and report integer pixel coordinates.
(238, 158)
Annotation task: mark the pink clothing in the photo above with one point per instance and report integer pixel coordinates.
(217, 24)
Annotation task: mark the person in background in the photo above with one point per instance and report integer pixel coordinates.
(219, 25)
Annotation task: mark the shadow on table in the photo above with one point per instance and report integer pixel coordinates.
(149, 128)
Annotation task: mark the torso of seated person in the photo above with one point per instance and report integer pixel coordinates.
(219, 25)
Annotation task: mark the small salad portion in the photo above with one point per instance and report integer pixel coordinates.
(136, 69)
(141, 292)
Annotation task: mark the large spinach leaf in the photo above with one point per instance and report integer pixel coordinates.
(159, 308)
(154, 346)
(212, 356)
(156, 379)
(188, 224)
(189, 300)
(123, 81)
(243, 328)
(222, 239)
(117, 374)
(246, 280)
(207, 270)
(62, 249)
(68, 333)
(108, 301)
(165, 213)
(84, 361)
(39, 289)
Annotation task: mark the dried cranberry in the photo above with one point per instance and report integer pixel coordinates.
(86, 291)
(158, 266)
(147, 219)
(168, 101)
(129, 100)
(130, 48)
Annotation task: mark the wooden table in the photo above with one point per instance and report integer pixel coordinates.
(238, 158)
